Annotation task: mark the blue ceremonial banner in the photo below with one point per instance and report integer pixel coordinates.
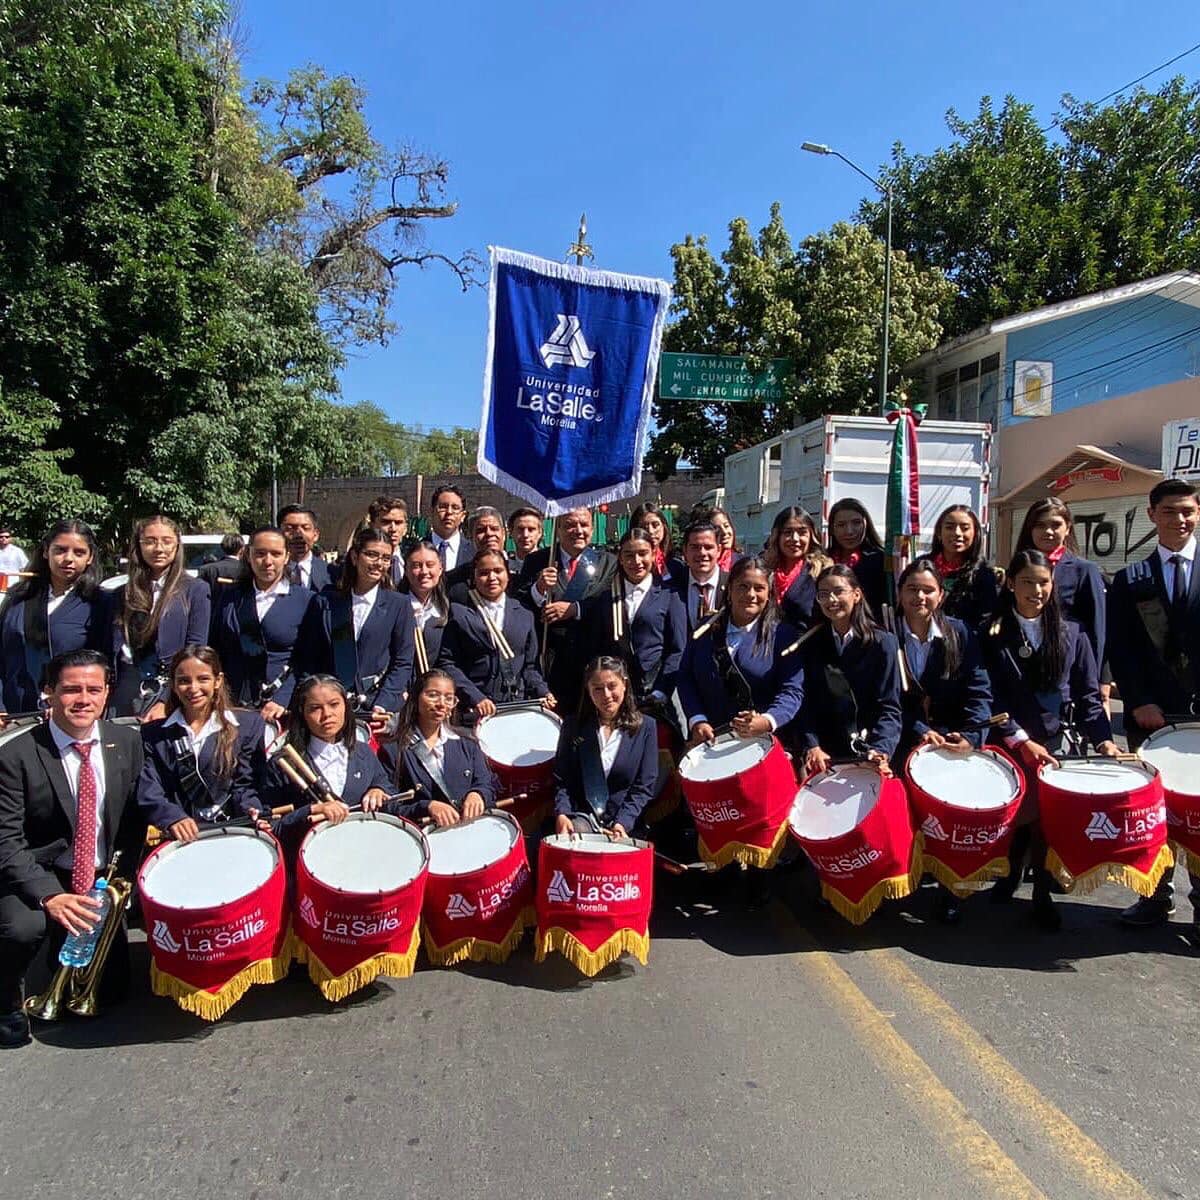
(567, 387)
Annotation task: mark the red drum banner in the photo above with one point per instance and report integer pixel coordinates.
(1175, 752)
(359, 887)
(739, 791)
(1104, 821)
(215, 918)
(593, 899)
(855, 827)
(479, 894)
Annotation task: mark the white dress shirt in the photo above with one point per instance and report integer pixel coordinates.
(54, 602)
(13, 560)
(197, 740)
(1188, 554)
(609, 748)
(1031, 627)
(841, 640)
(634, 595)
(917, 650)
(304, 566)
(72, 761)
(453, 546)
(360, 608)
(264, 600)
(332, 759)
(494, 610)
(694, 593)
(423, 610)
(433, 758)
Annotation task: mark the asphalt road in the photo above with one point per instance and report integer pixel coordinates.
(761, 1053)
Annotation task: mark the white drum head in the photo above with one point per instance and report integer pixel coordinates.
(365, 854)
(835, 803)
(593, 843)
(520, 739)
(1096, 777)
(222, 865)
(1175, 751)
(977, 781)
(723, 759)
(458, 849)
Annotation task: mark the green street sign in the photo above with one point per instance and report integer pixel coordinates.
(718, 377)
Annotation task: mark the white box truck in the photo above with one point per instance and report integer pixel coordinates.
(836, 457)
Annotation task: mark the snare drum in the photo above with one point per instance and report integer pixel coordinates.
(479, 894)
(1175, 751)
(215, 918)
(1104, 821)
(593, 899)
(965, 806)
(520, 747)
(855, 827)
(739, 791)
(359, 887)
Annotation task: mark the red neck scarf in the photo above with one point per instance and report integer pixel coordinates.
(1056, 556)
(943, 565)
(785, 579)
(660, 561)
(849, 558)
(725, 562)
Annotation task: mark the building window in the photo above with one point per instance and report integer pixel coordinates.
(970, 393)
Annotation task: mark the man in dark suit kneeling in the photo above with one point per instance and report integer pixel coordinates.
(66, 805)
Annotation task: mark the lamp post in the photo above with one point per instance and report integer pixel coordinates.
(821, 148)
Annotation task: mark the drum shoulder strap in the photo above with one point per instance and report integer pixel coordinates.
(191, 782)
(736, 686)
(345, 645)
(591, 769)
(1157, 623)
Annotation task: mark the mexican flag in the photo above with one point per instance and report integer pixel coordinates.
(903, 521)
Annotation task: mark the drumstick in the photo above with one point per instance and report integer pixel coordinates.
(703, 629)
(154, 835)
(800, 641)
(889, 623)
(990, 723)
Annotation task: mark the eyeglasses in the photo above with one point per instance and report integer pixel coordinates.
(373, 556)
(836, 594)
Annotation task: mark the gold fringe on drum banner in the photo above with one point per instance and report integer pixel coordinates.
(212, 1006)
(1182, 853)
(475, 949)
(764, 857)
(338, 987)
(895, 888)
(967, 884)
(591, 962)
(1143, 883)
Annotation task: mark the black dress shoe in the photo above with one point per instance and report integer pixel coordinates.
(947, 907)
(1149, 910)
(14, 1029)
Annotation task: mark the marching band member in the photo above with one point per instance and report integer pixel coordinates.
(852, 697)
(206, 761)
(653, 520)
(447, 511)
(606, 767)
(702, 587)
(257, 627)
(1153, 628)
(159, 610)
(449, 773)
(525, 529)
(487, 533)
(726, 538)
(733, 670)
(362, 631)
(304, 569)
(58, 610)
(67, 802)
(972, 590)
(229, 566)
(1041, 666)
(854, 542)
(389, 514)
(423, 575)
(795, 557)
(549, 585)
(322, 729)
(639, 620)
(490, 646)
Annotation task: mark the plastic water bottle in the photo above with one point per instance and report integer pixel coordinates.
(78, 949)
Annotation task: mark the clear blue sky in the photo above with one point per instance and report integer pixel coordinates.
(662, 119)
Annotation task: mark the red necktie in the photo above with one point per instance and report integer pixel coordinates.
(571, 569)
(83, 866)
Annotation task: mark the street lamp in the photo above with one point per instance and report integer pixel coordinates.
(821, 148)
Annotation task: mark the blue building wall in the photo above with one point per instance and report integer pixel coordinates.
(1114, 351)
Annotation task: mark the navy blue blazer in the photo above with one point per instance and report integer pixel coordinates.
(468, 656)
(680, 584)
(656, 638)
(321, 576)
(466, 770)
(1139, 670)
(631, 781)
(946, 705)
(972, 598)
(871, 574)
(800, 600)
(874, 705)
(1083, 598)
(433, 634)
(363, 772)
(1040, 714)
(160, 794)
(76, 624)
(249, 662)
(776, 684)
(383, 648)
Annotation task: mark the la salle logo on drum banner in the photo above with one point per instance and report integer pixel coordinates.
(163, 938)
(1101, 829)
(308, 910)
(559, 890)
(458, 907)
(931, 827)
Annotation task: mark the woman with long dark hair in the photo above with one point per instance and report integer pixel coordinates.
(424, 584)
(156, 612)
(1041, 667)
(653, 519)
(795, 557)
(60, 608)
(852, 692)
(971, 583)
(606, 768)
(726, 537)
(206, 761)
(733, 670)
(854, 542)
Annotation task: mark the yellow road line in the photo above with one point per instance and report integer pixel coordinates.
(941, 1110)
(1104, 1176)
